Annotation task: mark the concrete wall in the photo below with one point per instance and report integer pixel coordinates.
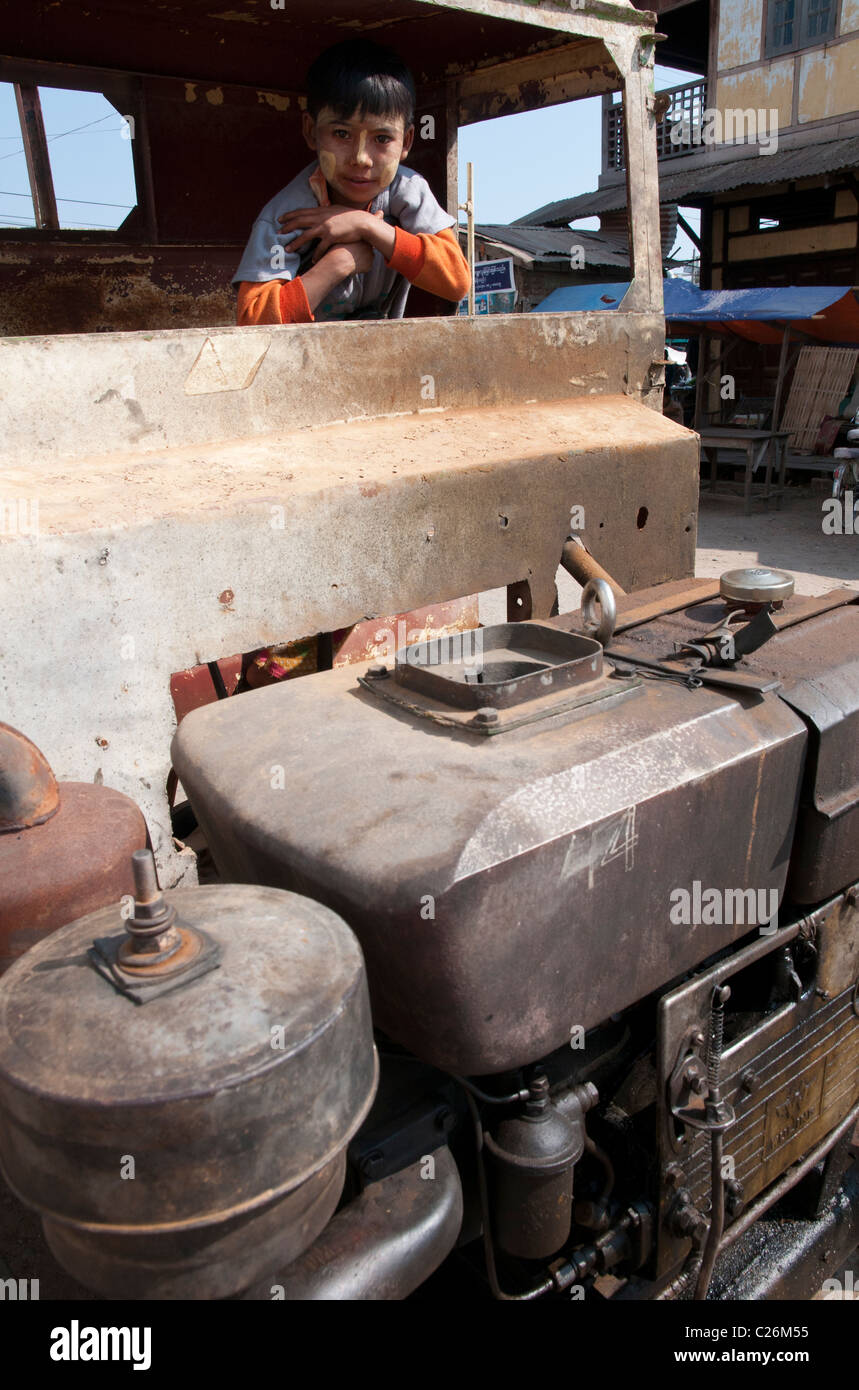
(171, 498)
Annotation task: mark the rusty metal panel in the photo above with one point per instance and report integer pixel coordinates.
(62, 287)
(77, 861)
(379, 637)
(255, 43)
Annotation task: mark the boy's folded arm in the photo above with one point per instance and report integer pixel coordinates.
(272, 301)
(432, 262)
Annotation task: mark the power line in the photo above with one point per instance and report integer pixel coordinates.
(111, 129)
(85, 202)
(63, 134)
(6, 217)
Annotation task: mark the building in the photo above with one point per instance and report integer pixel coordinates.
(545, 258)
(763, 140)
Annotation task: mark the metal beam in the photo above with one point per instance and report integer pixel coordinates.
(690, 231)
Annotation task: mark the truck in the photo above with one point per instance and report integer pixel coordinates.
(528, 963)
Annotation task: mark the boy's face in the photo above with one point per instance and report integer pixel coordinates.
(359, 158)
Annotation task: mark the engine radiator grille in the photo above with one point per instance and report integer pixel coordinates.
(790, 1079)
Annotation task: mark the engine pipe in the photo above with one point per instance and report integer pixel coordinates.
(579, 563)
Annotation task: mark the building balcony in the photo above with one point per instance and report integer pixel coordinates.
(681, 114)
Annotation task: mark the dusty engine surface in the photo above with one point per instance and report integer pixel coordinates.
(606, 892)
(498, 871)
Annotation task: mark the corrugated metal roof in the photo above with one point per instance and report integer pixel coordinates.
(549, 245)
(678, 185)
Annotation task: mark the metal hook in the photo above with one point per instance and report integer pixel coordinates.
(597, 594)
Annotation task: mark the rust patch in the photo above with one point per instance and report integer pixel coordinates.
(28, 789)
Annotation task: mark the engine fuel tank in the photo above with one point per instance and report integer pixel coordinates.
(505, 850)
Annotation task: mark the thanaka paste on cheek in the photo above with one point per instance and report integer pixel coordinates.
(328, 164)
(388, 170)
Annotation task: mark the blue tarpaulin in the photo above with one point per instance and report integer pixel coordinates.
(829, 314)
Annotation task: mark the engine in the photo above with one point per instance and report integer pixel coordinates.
(603, 873)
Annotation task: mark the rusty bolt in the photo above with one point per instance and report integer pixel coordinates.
(686, 1221)
(735, 1197)
(102, 743)
(694, 1080)
(673, 1174)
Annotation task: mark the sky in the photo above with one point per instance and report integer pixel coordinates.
(521, 162)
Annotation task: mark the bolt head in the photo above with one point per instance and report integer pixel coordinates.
(673, 1174)
(486, 715)
(377, 671)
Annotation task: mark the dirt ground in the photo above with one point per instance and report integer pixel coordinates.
(789, 538)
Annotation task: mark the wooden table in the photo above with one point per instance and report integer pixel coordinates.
(757, 445)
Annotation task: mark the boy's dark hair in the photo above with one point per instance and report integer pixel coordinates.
(359, 75)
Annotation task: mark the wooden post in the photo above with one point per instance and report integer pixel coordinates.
(779, 385)
(701, 379)
(468, 208)
(452, 149)
(36, 155)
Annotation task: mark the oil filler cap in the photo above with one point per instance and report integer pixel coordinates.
(756, 585)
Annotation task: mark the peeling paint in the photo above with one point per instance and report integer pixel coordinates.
(739, 32)
(275, 99)
(827, 82)
(236, 17)
(766, 87)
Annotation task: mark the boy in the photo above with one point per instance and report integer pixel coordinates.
(350, 234)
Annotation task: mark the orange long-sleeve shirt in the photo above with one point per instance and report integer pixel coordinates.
(432, 262)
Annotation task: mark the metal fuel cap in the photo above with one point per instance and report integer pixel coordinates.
(756, 585)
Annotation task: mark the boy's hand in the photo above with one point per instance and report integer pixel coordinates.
(354, 259)
(338, 226)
